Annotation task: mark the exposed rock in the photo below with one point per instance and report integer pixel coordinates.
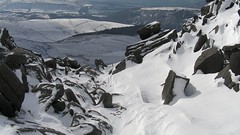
(51, 63)
(69, 62)
(210, 61)
(71, 96)
(230, 6)
(100, 64)
(201, 41)
(229, 50)
(209, 1)
(6, 39)
(58, 106)
(136, 52)
(171, 86)
(205, 10)
(12, 90)
(149, 30)
(120, 67)
(226, 75)
(235, 63)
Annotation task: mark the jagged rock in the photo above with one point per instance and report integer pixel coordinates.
(172, 85)
(136, 52)
(95, 131)
(210, 61)
(71, 96)
(205, 10)
(20, 56)
(6, 39)
(58, 106)
(69, 62)
(209, 1)
(226, 75)
(201, 41)
(229, 50)
(235, 63)
(51, 63)
(120, 67)
(149, 30)
(100, 64)
(24, 78)
(11, 89)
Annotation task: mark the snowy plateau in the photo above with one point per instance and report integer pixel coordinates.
(171, 83)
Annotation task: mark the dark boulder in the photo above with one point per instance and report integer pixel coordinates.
(226, 75)
(209, 1)
(58, 106)
(71, 96)
(205, 10)
(171, 85)
(149, 30)
(68, 62)
(51, 63)
(7, 40)
(201, 41)
(235, 63)
(11, 89)
(100, 64)
(229, 50)
(120, 67)
(210, 61)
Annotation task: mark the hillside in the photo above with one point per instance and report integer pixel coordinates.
(172, 83)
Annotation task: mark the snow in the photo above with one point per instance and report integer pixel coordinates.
(52, 30)
(207, 107)
(168, 8)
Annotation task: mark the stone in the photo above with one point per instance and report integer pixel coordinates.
(7, 40)
(71, 96)
(226, 75)
(210, 61)
(70, 62)
(100, 64)
(201, 41)
(149, 30)
(59, 106)
(169, 89)
(120, 67)
(209, 1)
(235, 63)
(229, 50)
(11, 88)
(205, 10)
(51, 63)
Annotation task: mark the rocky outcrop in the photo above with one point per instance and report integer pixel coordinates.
(6, 39)
(136, 52)
(225, 74)
(210, 61)
(11, 91)
(200, 43)
(149, 30)
(174, 84)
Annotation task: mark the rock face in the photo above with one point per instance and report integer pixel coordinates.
(136, 52)
(12, 91)
(210, 61)
(6, 39)
(201, 41)
(174, 84)
(149, 30)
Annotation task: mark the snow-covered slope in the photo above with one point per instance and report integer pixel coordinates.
(51, 30)
(211, 109)
(199, 103)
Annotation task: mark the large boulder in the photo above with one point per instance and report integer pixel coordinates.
(149, 30)
(175, 85)
(229, 50)
(201, 41)
(235, 63)
(6, 39)
(12, 91)
(210, 61)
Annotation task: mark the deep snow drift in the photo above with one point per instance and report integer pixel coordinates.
(206, 107)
